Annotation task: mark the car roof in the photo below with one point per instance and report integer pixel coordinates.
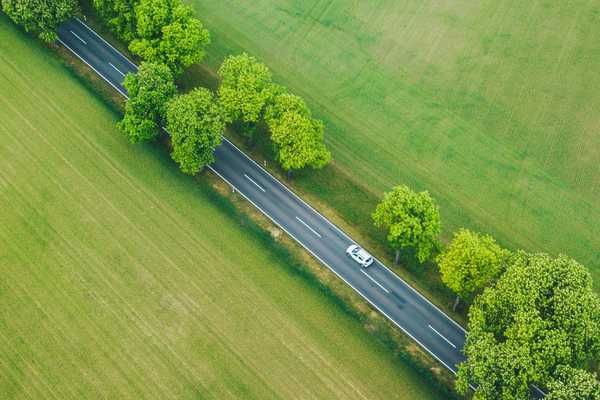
(362, 253)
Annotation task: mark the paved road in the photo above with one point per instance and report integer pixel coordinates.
(405, 307)
(416, 316)
(97, 53)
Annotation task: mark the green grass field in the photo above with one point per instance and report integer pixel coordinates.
(123, 279)
(492, 106)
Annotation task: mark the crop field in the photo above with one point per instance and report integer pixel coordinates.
(491, 105)
(123, 279)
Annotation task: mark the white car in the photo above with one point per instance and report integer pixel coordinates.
(359, 255)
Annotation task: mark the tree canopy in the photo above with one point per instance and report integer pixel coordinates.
(246, 88)
(540, 314)
(119, 15)
(471, 262)
(282, 103)
(149, 90)
(195, 124)
(41, 17)
(411, 219)
(167, 32)
(248, 95)
(573, 384)
(298, 141)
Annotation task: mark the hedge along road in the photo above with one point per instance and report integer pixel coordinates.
(416, 316)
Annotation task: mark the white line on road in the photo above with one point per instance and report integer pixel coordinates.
(334, 226)
(256, 184)
(94, 69)
(311, 229)
(79, 37)
(374, 281)
(335, 272)
(108, 44)
(116, 69)
(442, 336)
(282, 227)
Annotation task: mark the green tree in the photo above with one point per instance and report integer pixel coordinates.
(573, 384)
(541, 313)
(195, 123)
(149, 91)
(119, 15)
(282, 103)
(298, 142)
(168, 33)
(412, 220)
(245, 91)
(470, 263)
(41, 17)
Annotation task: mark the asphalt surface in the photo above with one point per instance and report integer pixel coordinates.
(405, 307)
(98, 54)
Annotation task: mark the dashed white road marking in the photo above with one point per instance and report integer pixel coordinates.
(302, 244)
(79, 37)
(94, 69)
(334, 226)
(116, 69)
(410, 335)
(374, 281)
(442, 336)
(108, 44)
(256, 184)
(311, 229)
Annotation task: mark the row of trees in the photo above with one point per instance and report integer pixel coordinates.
(412, 221)
(165, 34)
(160, 31)
(169, 38)
(249, 97)
(41, 17)
(534, 319)
(193, 120)
(196, 121)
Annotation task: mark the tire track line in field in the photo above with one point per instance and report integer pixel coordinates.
(216, 336)
(131, 183)
(82, 260)
(18, 382)
(76, 256)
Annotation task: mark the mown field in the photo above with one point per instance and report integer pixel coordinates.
(489, 105)
(122, 279)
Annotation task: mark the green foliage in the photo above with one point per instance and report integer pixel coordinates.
(41, 17)
(248, 95)
(196, 125)
(573, 384)
(540, 314)
(119, 15)
(412, 220)
(245, 89)
(149, 90)
(298, 141)
(285, 102)
(471, 262)
(168, 33)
